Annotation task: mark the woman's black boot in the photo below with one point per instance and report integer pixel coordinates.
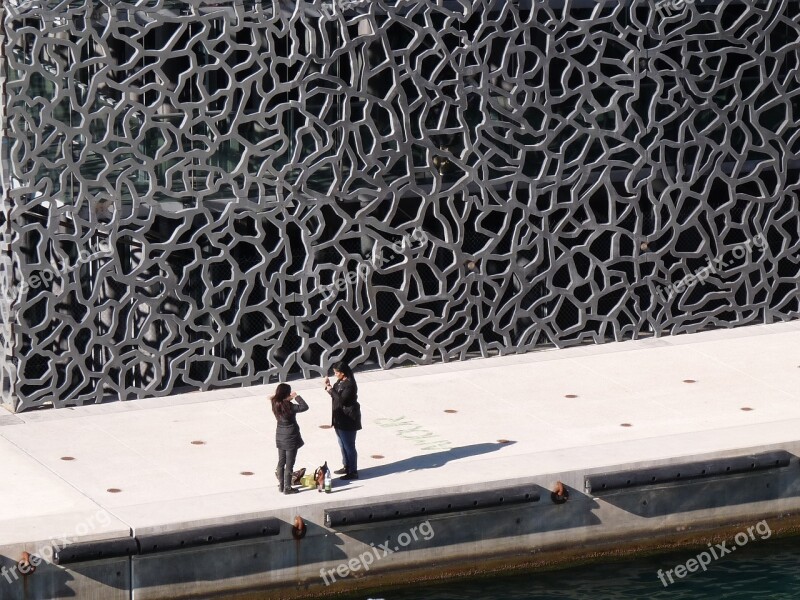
(287, 481)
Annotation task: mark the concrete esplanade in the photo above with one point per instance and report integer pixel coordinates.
(658, 443)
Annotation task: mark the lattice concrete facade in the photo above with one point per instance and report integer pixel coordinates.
(261, 188)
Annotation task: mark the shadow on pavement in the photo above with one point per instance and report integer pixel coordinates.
(428, 461)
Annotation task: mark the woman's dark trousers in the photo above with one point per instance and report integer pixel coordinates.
(286, 460)
(347, 442)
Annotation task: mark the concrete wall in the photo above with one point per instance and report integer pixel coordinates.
(430, 547)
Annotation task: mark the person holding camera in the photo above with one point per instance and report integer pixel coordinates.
(287, 433)
(346, 419)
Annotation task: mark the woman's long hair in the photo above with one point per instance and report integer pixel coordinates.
(343, 367)
(280, 408)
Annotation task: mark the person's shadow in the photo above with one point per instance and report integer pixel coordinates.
(430, 461)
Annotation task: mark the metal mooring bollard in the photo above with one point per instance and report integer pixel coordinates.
(560, 493)
(27, 564)
(299, 528)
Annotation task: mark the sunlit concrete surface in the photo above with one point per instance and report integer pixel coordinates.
(200, 458)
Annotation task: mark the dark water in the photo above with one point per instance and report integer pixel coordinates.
(761, 570)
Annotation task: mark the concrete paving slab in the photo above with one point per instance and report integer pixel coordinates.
(198, 458)
(36, 504)
(10, 420)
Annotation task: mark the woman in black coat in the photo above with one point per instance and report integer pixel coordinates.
(287, 433)
(346, 418)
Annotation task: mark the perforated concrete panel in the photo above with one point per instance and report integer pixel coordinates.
(224, 193)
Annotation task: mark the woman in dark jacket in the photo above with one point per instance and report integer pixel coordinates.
(346, 419)
(287, 434)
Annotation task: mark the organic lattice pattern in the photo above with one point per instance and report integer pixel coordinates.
(284, 184)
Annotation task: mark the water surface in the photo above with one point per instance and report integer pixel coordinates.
(761, 570)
